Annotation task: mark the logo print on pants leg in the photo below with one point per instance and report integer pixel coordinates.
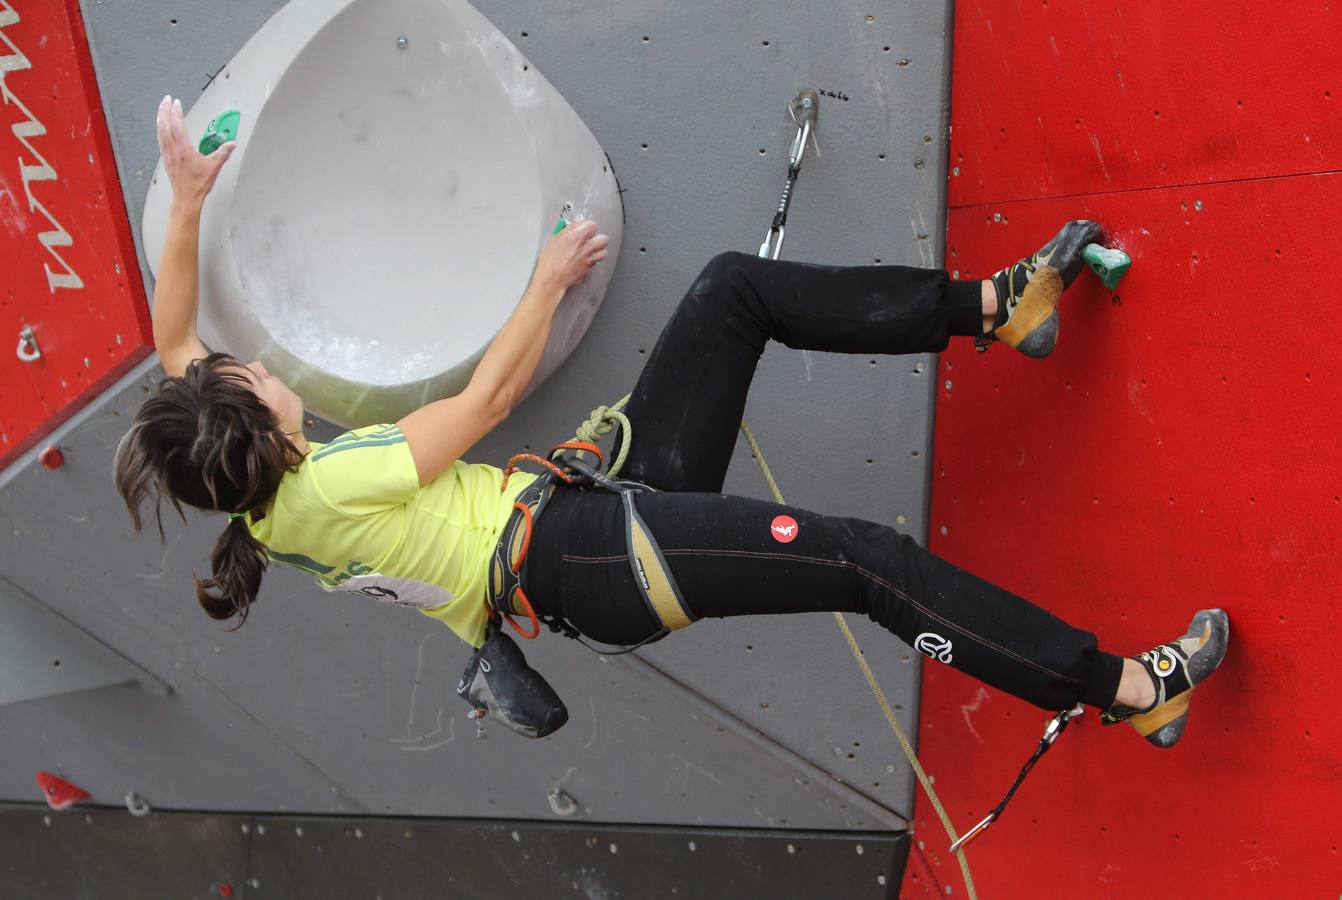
(933, 645)
(784, 529)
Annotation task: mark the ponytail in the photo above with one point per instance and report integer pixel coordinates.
(237, 561)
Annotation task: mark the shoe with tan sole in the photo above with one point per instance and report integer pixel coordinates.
(1176, 669)
(1028, 291)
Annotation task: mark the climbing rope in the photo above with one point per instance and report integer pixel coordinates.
(604, 419)
(602, 422)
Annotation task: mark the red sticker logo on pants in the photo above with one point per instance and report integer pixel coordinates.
(784, 529)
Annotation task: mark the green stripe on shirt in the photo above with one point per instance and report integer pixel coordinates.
(299, 561)
(366, 441)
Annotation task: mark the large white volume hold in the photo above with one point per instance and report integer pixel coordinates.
(399, 166)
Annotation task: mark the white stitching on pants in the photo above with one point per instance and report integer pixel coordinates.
(890, 587)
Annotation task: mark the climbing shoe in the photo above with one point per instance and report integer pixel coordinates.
(1028, 291)
(1175, 669)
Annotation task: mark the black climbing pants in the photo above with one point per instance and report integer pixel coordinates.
(734, 556)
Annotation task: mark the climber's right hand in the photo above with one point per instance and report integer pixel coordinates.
(568, 256)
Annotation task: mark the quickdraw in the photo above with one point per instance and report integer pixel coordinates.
(1056, 726)
(804, 110)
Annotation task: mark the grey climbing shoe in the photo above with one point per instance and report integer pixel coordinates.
(1028, 291)
(1175, 669)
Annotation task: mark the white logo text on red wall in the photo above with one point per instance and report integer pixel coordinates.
(37, 168)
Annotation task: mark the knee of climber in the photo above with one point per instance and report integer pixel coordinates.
(726, 289)
(711, 299)
(715, 280)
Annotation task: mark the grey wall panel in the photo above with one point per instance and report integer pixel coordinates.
(42, 655)
(351, 696)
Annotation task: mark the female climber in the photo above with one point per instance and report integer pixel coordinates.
(393, 512)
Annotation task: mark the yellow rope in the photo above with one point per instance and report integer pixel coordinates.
(875, 687)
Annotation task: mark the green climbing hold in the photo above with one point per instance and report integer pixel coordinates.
(1109, 263)
(560, 226)
(223, 128)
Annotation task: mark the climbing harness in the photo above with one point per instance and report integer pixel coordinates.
(656, 585)
(497, 681)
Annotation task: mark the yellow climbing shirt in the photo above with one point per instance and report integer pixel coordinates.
(354, 516)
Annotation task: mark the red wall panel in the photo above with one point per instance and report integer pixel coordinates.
(1179, 449)
(68, 268)
(1058, 97)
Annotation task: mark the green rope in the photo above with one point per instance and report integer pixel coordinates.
(602, 421)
